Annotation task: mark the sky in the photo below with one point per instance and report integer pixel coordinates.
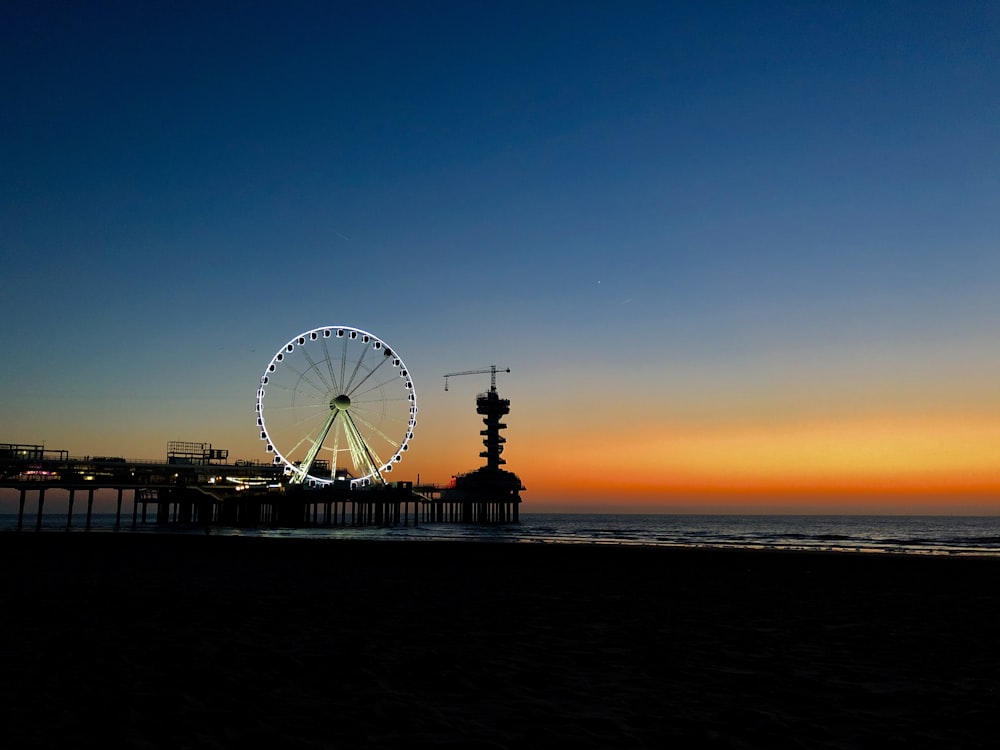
(737, 255)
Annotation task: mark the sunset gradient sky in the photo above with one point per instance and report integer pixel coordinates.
(738, 255)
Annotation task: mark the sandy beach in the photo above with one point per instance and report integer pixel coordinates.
(208, 641)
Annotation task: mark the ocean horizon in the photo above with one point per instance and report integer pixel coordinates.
(906, 534)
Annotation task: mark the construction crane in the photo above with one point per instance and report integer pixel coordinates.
(492, 370)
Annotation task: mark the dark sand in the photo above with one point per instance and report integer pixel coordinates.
(170, 641)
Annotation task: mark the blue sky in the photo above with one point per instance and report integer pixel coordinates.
(771, 207)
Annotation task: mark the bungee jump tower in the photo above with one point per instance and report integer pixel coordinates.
(489, 494)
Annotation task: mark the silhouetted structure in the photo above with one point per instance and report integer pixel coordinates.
(192, 487)
(489, 494)
(201, 454)
(198, 485)
(493, 408)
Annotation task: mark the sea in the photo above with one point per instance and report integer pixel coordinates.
(918, 535)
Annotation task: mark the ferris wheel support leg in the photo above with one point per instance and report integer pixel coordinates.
(306, 465)
(363, 454)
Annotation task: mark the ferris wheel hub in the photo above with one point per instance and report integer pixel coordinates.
(340, 403)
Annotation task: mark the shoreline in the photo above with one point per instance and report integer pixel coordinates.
(208, 641)
(481, 535)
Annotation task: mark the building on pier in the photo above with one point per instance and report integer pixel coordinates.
(489, 494)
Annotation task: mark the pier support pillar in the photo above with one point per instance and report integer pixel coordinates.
(69, 511)
(41, 507)
(20, 510)
(90, 506)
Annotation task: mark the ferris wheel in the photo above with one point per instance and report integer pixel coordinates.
(336, 403)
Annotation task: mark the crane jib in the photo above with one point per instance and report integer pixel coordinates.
(492, 370)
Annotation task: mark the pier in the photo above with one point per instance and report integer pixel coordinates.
(209, 491)
(171, 505)
(307, 480)
(453, 505)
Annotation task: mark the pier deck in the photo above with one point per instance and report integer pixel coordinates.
(242, 494)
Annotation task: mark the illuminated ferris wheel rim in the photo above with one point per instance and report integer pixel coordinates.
(340, 403)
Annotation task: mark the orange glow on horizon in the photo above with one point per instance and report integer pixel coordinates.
(892, 461)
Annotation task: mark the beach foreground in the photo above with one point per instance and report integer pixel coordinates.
(209, 641)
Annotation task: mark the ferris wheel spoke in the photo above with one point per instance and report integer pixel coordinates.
(293, 412)
(349, 385)
(296, 386)
(357, 395)
(372, 406)
(294, 393)
(329, 367)
(304, 379)
(375, 430)
(343, 365)
(319, 373)
(354, 388)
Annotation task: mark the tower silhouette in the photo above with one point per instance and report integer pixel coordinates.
(489, 494)
(493, 408)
